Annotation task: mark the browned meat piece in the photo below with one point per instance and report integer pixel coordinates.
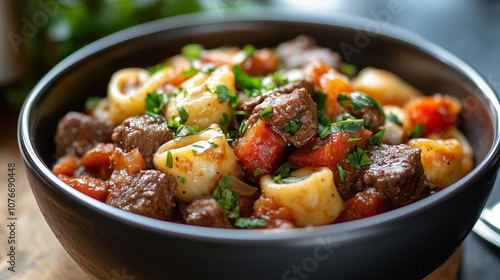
(77, 133)
(370, 114)
(303, 49)
(396, 173)
(205, 211)
(248, 103)
(148, 192)
(294, 116)
(144, 133)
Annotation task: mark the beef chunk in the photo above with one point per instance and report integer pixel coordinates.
(77, 133)
(148, 192)
(396, 173)
(204, 211)
(303, 50)
(370, 114)
(294, 116)
(144, 133)
(248, 103)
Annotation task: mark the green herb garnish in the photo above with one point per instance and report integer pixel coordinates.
(192, 51)
(92, 102)
(393, 118)
(358, 100)
(376, 139)
(201, 146)
(224, 95)
(342, 171)
(170, 162)
(227, 198)
(266, 113)
(358, 158)
(155, 103)
(417, 131)
(181, 179)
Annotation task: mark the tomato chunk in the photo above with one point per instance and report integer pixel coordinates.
(437, 112)
(90, 186)
(261, 63)
(329, 152)
(260, 148)
(66, 165)
(364, 204)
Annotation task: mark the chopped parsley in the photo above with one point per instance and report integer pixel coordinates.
(243, 127)
(283, 172)
(155, 103)
(358, 100)
(292, 179)
(248, 50)
(189, 73)
(376, 139)
(348, 69)
(245, 81)
(358, 158)
(266, 113)
(156, 68)
(201, 146)
(292, 127)
(182, 179)
(417, 131)
(180, 120)
(184, 130)
(192, 51)
(256, 172)
(313, 148)
(342, 126)
(224, 95)
(342, 171)
(393, 118)
(92, 102)
(170, 161)
(227, 198)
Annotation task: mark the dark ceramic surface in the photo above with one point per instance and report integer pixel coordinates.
(411, 241)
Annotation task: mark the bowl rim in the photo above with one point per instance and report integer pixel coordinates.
(34, 162)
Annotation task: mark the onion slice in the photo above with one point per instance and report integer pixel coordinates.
(241, 187)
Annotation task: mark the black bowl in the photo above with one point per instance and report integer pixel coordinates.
(406, 243)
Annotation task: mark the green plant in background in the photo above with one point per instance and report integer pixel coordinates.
(72, 24)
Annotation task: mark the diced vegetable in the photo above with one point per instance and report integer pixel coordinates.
(364, 204)
(436, 113)
(90, 186)
(260, 148)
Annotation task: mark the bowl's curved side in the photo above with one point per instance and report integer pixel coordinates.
(406, 243)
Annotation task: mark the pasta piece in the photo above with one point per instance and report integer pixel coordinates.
(441, 159)
(313, 200)
(395, 132)
(467, 152)
(197, 161)
(384, 86)
(201, 103)
(128, 89)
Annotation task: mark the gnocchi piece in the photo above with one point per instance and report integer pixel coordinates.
(467, 152)
(197, 161)
(441, 159)
(201, 103)
(395, 133)
(384, 86)
(313, 200)
(128, 89)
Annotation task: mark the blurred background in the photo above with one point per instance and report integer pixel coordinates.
(37, 34)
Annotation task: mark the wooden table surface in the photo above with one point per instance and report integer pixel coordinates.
(39, 255)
